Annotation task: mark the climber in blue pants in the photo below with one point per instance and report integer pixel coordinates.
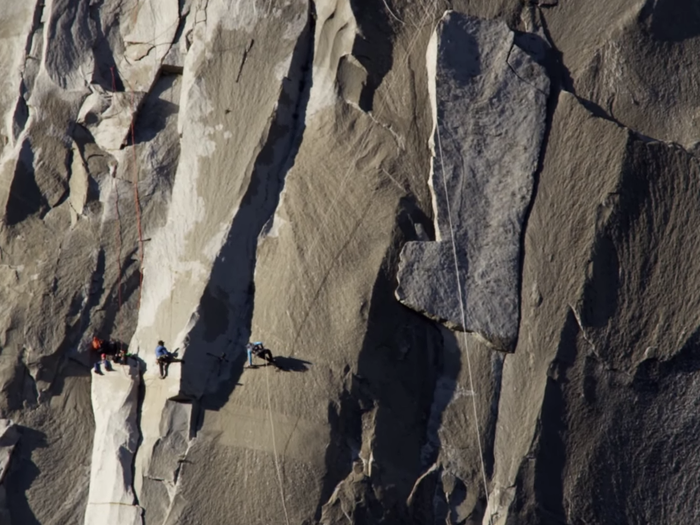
(164, 358)
(257, 349)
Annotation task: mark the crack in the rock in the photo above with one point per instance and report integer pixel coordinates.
(153, 478)
(246, 52)
(593, 350)
(608, 368)
(36, 25)
(140, 397)
(22, 110)
(435, 466)
(400, 141)
(577, 316)
(552, 64)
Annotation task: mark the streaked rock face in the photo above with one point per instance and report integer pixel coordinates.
(208, 172)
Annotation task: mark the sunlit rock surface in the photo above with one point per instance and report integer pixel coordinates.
(114, 404)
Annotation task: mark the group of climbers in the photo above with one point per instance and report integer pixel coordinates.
(110, 352)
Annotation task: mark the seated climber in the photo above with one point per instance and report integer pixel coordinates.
(102, 361)
(120, 357)
(257, 349)
(164, 358)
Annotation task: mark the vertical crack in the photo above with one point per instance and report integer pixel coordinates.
(246, 51)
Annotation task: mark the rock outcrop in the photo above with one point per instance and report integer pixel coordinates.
(488, 97)
(468, 237)
(115, 402)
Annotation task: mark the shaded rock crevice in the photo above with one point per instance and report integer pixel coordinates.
(33, 55)
(23, 472)
(381, 437)
(372, 48)
(9, 436)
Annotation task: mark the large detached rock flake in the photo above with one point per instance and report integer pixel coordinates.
(489, 101)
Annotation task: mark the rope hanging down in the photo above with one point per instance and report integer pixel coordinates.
(464, 316)
(274, 447)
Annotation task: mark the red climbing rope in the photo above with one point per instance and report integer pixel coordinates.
(137, 205)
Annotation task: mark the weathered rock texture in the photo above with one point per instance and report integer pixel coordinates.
(212, 171)
(488, 99)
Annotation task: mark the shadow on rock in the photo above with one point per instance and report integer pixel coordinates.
(22, 473)
(231, 285)
(390, 396)
(671, 21)
(164, 367)
(291, 364)
(154, 115)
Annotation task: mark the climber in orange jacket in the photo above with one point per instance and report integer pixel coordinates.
(104, 347)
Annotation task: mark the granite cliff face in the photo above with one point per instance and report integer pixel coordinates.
(466, 230)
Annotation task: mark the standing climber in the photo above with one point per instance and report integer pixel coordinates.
(257, 349)
(164, 358)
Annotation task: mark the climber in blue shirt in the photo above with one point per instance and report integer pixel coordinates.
(164, 358)
(257, 349)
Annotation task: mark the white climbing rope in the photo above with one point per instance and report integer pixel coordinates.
(274, 446)
(464, 316)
